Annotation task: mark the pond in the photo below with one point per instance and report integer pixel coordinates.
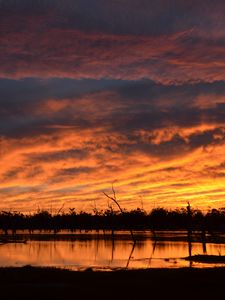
(79, 251)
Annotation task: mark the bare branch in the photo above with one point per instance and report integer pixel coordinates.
(60, 208)
(120, 208)
(114, 193)
(114, 200)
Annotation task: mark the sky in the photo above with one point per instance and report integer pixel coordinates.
(102, 92)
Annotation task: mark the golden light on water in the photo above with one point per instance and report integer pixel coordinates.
(103, 254)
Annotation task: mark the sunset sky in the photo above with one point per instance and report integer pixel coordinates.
(95, 92)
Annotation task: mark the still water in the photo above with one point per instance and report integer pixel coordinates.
(102, 253)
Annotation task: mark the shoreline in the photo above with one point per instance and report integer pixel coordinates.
(140, 235)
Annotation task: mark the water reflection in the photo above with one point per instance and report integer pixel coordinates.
(101, 253)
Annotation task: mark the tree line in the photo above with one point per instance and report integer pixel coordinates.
(109, 219)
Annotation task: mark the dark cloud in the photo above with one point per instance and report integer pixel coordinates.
(129, 107)
(159, 119)
(93, 90)
(15, 190)
(13, 173)
(120, 17)
(54, 156)
(75, 171)
(18, 95)
(71, 173)
(26, 171)
(176, 145)
(168, 42)
(181, 95)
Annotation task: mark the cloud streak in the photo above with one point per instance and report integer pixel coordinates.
(69, 143)
(170, 47)
(95, 91)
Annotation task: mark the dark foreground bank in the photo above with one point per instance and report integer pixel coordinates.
(48, 283)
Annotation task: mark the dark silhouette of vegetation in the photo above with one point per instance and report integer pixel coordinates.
(136, 219)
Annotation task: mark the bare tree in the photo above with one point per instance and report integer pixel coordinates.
(114, 199)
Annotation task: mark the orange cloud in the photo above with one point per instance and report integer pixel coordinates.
(131, 92)
(74, 167)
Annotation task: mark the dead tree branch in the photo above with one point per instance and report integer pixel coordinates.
(120, 208)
